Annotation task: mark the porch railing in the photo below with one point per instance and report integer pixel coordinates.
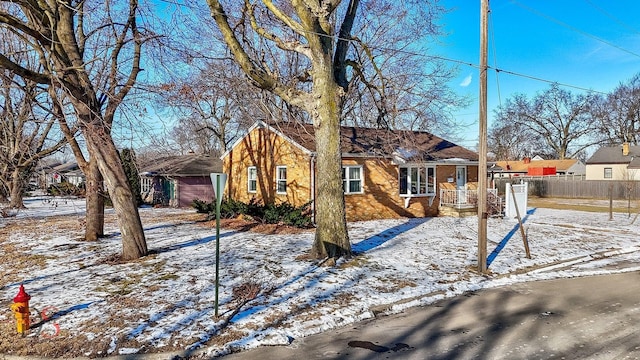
(469, 198)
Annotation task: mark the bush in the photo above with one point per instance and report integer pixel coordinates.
(284, 213)
(203, 207)
(231, 208)
(299, 217)
(65, 189)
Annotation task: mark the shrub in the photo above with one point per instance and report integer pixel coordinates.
(231, 208)
(299, 217)
(284, 213)
(65, 189)
(204, 207)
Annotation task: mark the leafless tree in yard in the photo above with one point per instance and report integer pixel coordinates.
(510, 140)
(28, 132)
(619, 114)
(214, 106)
(563, 121)
(397, 81)
(310, 54)
(90, 53)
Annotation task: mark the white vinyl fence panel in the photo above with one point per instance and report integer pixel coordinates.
(521, 199)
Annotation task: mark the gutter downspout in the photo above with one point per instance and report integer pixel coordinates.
(312, 186)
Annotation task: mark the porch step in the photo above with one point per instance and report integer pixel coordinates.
(457, 212)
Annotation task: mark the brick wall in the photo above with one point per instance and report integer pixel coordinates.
(381, 198)
(264, 150)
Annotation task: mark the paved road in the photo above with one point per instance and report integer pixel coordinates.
(582, 318)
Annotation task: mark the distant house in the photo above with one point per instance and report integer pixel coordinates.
(386, 174)
(620, 162)
(537, 166)
(68, 172)
(178, 180)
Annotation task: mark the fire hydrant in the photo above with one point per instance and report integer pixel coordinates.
(20, 308)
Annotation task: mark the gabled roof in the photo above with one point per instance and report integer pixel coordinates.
(613, 155)
(522, 166)
(356, 141)
(66, 167)
(635, 163)
(183, 165)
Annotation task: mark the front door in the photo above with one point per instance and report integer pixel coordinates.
(461, 177)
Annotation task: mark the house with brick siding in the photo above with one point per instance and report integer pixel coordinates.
(386, 173)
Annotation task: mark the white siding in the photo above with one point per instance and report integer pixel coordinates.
(618, 171)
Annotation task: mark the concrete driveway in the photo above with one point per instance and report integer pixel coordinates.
(582, 318)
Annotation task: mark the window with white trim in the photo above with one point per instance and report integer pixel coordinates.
(352, 179)
(417, 180)
(608, 173)
(281, 179)
(252, 179)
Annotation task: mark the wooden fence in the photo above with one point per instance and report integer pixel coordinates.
(565, 187)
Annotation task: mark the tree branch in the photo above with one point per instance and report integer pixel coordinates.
(262, 79)
(342, 46)
(294, 25)
(23, 72)
(262, 32)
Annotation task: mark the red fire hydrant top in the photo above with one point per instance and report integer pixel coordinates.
(22, 296)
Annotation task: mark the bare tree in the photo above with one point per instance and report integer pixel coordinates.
(27, 133)
(397, 83)
(619, 114)
(94, 61)
(214, 106)
(510, 141)
(560, 119)
(306, 53)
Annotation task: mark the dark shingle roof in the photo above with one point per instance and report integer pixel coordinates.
(613, 155)
(408, 145)
(183, 165)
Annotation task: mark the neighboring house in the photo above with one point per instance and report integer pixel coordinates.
(386, 174)
(68, 172)
(537, 166)
(178, 180)
(620, 162)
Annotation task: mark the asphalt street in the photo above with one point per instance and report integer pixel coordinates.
(581, 318)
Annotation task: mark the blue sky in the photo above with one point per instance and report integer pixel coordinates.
(589, 44)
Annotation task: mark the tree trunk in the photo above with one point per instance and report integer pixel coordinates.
(105, 154)
(94, 199)
(17, 186)
(332, 238)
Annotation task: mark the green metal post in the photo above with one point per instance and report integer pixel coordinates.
(218, 194)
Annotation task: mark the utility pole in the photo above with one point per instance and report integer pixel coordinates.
(482, 147)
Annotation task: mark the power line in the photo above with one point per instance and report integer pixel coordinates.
(536, 12)
(615, 19)
(547, 81)
(531, 77)
(495, 55)
(470, 64)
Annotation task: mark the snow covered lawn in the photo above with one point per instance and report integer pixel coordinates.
(85, 302)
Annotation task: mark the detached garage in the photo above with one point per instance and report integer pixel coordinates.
(178, 180)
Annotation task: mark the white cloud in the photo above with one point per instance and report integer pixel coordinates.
(467, 81)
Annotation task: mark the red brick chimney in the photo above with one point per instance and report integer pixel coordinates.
(527, 160)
